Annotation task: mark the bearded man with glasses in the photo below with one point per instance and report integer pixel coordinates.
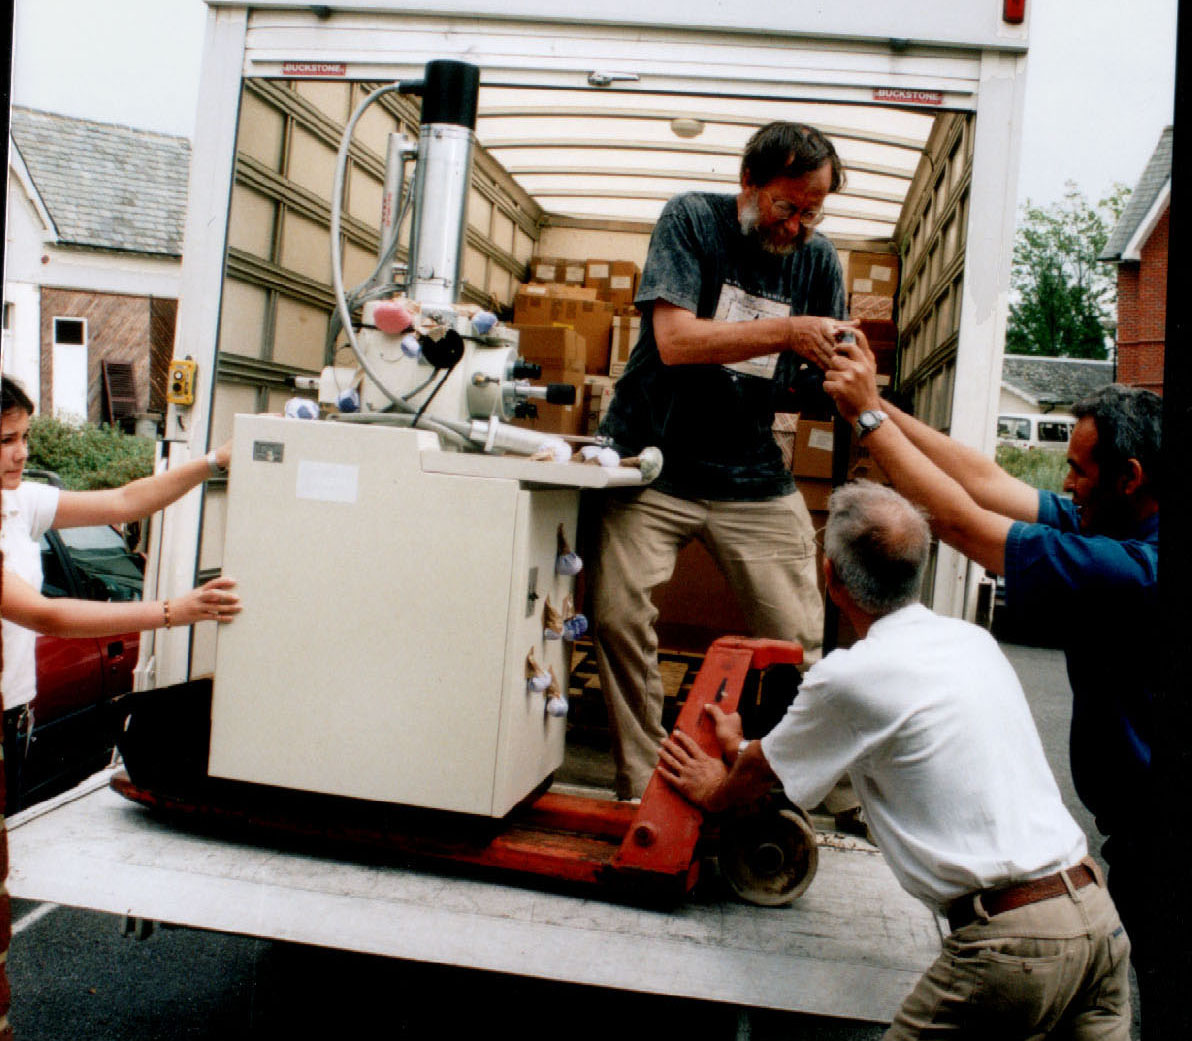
(742, 303)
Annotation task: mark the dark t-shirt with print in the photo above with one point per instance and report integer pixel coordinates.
(713, 422)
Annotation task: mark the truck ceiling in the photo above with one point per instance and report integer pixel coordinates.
(605, 119)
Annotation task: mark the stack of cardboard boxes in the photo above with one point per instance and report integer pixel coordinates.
(872, 286)
(592, 300)
(811, 462)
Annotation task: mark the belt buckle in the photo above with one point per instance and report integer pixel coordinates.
(965, 910)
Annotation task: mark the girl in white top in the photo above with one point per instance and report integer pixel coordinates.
(30, 509)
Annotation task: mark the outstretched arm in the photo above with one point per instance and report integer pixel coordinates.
(988, 484)
(21, 603)
(684, 339)
(137, 499)
(956, 517)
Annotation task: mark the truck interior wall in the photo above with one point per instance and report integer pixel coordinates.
(277, 294)
(932, 237)
(593, 242)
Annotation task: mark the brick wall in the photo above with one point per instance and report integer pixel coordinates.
(1142, 313)
(136, 329)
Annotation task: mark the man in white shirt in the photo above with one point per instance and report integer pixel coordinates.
(929, 720)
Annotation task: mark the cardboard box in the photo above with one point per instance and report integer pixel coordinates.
(598, 392)
(615, 281)
(873, 273)
(573, 273)
(555, 348)
(867, 469)
(627, 327)
(815, 494)
(696, 605)
(559, 419)
(870, 305)
(882, 334)
(561, 354)
(555, 291)
(861, 465)
(813, 449)
(592, 319)
(544, 269)
(548, 270)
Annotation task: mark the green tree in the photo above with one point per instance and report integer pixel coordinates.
(1062, 298)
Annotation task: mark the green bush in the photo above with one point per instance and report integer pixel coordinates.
(88, 456)
(1038, 467)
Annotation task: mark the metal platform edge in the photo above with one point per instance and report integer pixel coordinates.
(852, 947)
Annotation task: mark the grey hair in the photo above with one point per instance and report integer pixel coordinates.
(878, 543)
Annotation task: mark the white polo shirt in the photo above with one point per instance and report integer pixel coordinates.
(28, 514)
(929, 720)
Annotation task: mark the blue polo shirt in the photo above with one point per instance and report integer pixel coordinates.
(1098, 599)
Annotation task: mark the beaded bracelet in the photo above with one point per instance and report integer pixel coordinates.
(165, 610)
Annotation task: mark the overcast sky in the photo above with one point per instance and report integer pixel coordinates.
(1099, 83)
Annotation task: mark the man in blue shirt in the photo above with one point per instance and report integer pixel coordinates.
(1082, 572)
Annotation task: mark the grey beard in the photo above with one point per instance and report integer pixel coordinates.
(748, 219)
(750, 215)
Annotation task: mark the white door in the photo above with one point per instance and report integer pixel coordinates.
(69, 377)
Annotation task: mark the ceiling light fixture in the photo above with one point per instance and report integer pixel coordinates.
(686, 128)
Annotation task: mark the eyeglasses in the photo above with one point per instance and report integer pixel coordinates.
(784, 211)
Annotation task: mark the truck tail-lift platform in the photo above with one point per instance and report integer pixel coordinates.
(652, 850)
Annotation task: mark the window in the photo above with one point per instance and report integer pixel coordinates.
(70, 332)
(1013, 427)
(107, 569)
(1056, 431)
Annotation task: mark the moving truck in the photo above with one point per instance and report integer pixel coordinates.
(587, 121)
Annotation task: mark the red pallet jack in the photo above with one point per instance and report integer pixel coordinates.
(652, 850)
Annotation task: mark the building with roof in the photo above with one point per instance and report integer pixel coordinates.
(1035, 384)
(1138, 246)
(92, 262)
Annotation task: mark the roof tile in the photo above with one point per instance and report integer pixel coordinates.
(1054, 381)
(106, 186)
(1154, 177)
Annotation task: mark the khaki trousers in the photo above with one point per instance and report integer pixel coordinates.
(765, 549)
(1053, 969)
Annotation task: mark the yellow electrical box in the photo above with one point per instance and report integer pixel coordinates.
(181, 389)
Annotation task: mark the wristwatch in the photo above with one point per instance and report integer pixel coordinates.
(869, 420)
(741, 749)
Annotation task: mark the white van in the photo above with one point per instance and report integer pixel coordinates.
(1049, 430)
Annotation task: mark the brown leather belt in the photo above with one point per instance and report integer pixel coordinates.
(963, 911)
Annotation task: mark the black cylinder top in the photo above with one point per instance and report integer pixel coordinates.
(450, 92)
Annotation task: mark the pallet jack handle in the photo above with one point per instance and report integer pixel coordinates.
(662, 840)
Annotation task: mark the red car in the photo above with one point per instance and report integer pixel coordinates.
(80, 682)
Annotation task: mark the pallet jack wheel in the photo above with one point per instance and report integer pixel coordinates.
(768, 856)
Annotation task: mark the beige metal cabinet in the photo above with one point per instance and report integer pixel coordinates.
(388, 613)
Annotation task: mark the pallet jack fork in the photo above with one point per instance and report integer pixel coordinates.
(649, 851)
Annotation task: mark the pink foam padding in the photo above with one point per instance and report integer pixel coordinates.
(392, 318)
